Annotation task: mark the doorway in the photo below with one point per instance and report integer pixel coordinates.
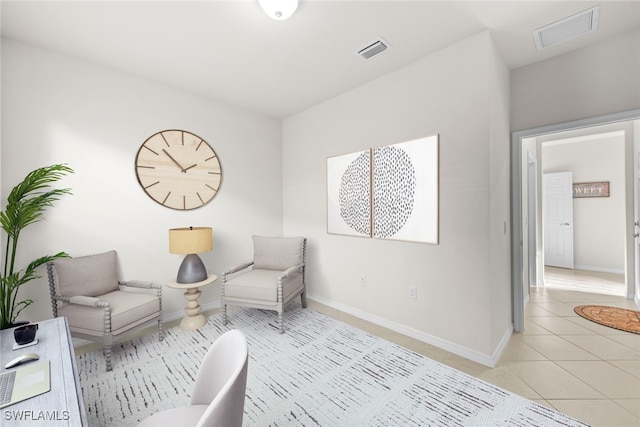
(597, 162)
(519, 293)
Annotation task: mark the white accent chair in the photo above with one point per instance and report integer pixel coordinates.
(274, 277)
(219, 391)
(97, 306)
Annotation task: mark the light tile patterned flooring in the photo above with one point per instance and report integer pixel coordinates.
(561, 360)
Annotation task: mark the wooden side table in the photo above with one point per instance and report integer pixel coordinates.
(193, 319)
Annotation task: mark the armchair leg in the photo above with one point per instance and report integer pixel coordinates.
(224, 314)
(303, 299)
(280, 323)
(160, 330)
(107, 355)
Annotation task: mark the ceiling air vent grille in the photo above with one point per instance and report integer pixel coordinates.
(568, 28)
(373, 49)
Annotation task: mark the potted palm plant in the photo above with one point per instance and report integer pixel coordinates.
(25, 205)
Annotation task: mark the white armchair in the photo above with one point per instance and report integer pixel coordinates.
(274, 277)
(97, 306)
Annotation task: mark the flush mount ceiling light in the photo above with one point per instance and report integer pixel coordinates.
(279, 9)
(568, 28)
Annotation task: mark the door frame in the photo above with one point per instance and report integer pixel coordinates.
(517, 137)
(532, 226)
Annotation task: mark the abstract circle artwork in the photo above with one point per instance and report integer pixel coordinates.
(394, 184)
(355, 196)
(388, 192)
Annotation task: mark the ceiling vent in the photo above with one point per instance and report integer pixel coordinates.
(373, 49)
(568, 28)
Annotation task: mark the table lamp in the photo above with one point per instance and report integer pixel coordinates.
(191, 241)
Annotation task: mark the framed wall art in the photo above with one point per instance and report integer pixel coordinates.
(405, 191)
(349, 194)
(388, 192)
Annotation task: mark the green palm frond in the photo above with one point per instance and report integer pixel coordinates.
(25, 205)
(43, 260)
(27, 200)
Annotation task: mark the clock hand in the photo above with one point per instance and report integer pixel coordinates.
(189, 167)
(174, 160)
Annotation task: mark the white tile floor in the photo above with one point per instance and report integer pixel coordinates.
(561, 360)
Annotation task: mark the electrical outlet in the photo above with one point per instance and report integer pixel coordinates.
(363, 280)
(412, 292)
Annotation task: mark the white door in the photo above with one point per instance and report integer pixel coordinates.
(636, 231)
(557, 211)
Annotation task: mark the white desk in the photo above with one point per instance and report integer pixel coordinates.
(193, 319)
(63, 405)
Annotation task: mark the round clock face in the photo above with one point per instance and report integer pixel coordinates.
(178, 169)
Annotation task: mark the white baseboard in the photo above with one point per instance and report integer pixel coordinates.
(598, 269)
(474, 355)
(502, 345)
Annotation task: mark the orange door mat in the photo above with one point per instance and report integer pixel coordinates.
(613, 317)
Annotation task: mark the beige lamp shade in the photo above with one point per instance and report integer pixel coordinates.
(190, 240)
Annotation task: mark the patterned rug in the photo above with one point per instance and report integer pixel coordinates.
(320, 372)
(613, 317)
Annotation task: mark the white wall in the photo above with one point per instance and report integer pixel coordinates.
(599, 223)
(598, 80)
(56, 109)
(499, 201)
(463, 288)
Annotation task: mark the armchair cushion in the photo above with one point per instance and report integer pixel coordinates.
(261, 285)
(277, 253)
(128, 309)
(89, 276)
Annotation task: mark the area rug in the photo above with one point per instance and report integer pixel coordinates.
(613, 317)
(320, 372)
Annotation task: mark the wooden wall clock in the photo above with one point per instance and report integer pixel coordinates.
(178, 169)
